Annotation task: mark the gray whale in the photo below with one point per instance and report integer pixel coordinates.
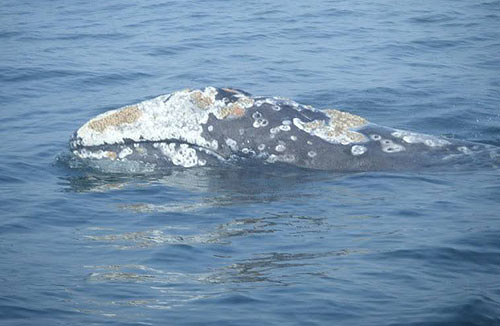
(210, 126)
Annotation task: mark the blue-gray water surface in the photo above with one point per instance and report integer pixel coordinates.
(248, 245)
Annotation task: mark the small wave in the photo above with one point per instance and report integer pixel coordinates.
(452, 258)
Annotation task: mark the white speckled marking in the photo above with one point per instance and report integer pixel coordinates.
(257, 115)
(125, 152)
(214, 145)
(260, 122)
(100, 154)
(184, 156)
(232, 144)
(289, 158)
(388, 146)
(311, 154)
(416, 138)
(357, 150)
(272, 158)
(280, 148)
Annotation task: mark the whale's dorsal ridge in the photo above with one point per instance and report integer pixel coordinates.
(212, 125)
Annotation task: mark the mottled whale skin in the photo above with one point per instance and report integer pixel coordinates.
(211, 126)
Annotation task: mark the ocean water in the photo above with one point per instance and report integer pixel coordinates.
(248, 245)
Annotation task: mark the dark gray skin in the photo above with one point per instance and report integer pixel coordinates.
(329, 156)
(247, 142)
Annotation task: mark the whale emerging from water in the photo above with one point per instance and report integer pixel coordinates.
(215, 125)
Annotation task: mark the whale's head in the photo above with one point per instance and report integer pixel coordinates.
(169, 128)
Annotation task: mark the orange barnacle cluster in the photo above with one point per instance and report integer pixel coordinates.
(342, 122)
(201, 100)
(129, 114)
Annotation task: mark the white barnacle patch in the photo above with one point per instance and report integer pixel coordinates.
(167, 149)
(285, 127)
(375, 137)
(97, 155)
(309, 142)
(259, 120)
(256, 115)
(416, 138)
(280, 148)
(210, 128)
(274, 130)
(272, 158)
(194, 128)
(398, 133)
(175, 116)
(184, 155)
(261, 147)
(214, 144)
(289, 158)
(75, 143)
(233, 145)
(298, 123)
(388, 146)
(357, 150)
(311, 154)
(294, 138)
(279, 101)
(125, 152)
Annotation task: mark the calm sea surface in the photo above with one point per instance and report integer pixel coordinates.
(248, 246)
